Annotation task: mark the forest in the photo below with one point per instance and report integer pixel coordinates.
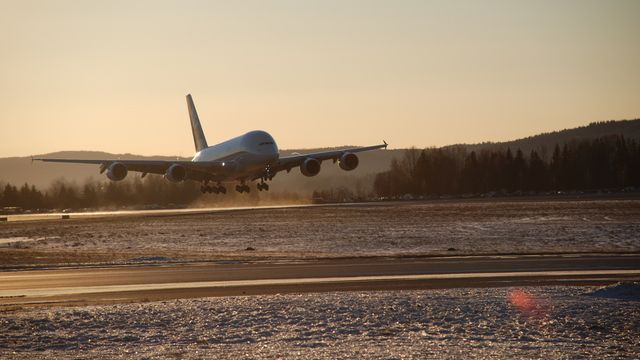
(611, 162)
(151, 192)
(63, 194)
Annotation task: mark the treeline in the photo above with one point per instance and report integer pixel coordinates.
(132, 193)
(611, 162)
(152, 190)
(602, 163)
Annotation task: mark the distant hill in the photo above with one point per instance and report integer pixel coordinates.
(628, 128)
(18, 170)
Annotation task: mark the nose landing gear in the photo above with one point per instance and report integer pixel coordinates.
(268, 175)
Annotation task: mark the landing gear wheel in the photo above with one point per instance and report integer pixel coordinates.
(243, 188)
(222, 189)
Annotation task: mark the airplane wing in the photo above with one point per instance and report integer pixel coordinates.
(289, 162)
(214, 170)
(195, 170)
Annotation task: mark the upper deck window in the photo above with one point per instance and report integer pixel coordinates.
(266, 143)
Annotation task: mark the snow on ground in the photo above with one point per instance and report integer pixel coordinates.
(14, 240)
(625, 291)
(449, 228)
(542, 322)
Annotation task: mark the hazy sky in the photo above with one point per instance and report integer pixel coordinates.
(112, 75)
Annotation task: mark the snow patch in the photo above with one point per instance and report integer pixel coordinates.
(20, 240)
(446, 323)
(151, 259)
(10, 240)
(627, 290)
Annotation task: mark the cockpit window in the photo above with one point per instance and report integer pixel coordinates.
(266, 143)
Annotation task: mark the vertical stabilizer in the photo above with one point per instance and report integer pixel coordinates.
(198, 135)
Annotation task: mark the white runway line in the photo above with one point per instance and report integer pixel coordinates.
(301, 281)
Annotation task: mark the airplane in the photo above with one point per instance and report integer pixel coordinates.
(246, 158)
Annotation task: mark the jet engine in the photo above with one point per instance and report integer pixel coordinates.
(117, 171)
(176, 173)
(310, 167)
(348, 161)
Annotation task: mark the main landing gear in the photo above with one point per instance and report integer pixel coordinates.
(218, 189)
(243, 188)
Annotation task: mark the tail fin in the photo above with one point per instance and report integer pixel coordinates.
(196, 128)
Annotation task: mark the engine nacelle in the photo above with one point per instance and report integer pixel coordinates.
(310, 167)
(348, 161)
(117, 171)
(176, 173)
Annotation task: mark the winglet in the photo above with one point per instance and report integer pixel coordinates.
(196, 128)
(385, 144)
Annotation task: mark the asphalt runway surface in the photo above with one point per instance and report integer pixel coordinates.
(121, 284)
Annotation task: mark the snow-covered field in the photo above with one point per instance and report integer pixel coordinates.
(451, 228)
(542, 322)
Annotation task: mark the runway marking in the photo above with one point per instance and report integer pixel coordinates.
(300, 281)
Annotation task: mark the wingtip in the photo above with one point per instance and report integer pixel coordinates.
(385, 144)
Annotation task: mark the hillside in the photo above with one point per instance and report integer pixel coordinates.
(18, 170)
(628, 128)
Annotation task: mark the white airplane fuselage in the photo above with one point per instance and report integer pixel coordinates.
(249, 152)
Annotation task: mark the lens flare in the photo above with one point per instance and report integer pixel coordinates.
(526, 303)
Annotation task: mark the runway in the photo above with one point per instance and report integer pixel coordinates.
(146, 283)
